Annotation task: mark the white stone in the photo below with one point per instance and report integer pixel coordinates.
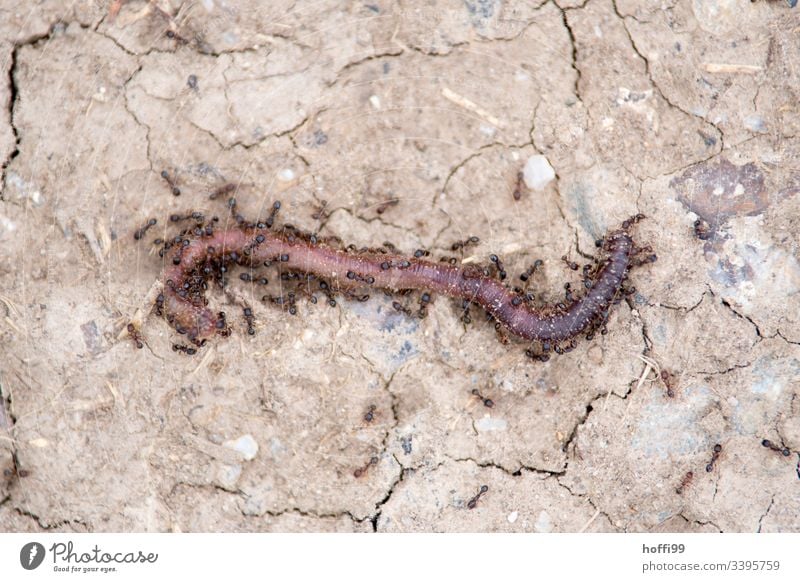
(755, 123)
(228, 475)
(286, 175)
(245, 445)
(487, 423)
(538, 173)
(543, 523)
(512, 517)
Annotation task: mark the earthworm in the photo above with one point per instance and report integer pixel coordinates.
(205, 253)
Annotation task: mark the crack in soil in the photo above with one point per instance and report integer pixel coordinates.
(761, 519)
(379, 506)
(574, 56)
(745, 317)
(14, 96)
(655, 85)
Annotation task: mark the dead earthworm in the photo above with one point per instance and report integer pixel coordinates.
(197, 257)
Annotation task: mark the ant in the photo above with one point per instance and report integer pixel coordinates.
(361, 470)
(518, 187)
(571, 264)
(473, 503)
(687, 480)
(223, 190)
(320, 212)
(462, 244)
(185, 349)
(487, 402)
(140, 232)
(702, 229)
(15, 470)
(276, 206)
(399, 307)
(465, 317)
(424, 300)
(714, 457)
(135, 334)
(370, 414)
(667, 378)
(770, 445)
(529, 272)
(384, 206)
(171, 183)
(249, 319)
(501, 272)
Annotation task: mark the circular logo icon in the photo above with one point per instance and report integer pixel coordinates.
(31, 555)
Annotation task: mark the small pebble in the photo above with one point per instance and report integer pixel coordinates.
(487, 424)
(538, 173)
(544, 524)
(245, 445)
(755, 123)
(228, 475)
(286, 175)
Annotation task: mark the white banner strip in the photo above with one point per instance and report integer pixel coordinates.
(386, 557)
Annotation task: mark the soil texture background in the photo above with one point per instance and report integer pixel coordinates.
(409, 122)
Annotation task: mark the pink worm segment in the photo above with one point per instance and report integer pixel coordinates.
(190, 315)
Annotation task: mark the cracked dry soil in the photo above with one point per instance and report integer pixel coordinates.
(407, 122)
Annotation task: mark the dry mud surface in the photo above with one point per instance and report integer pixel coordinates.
(407, 122)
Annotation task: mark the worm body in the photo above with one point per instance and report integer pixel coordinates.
(196, 258)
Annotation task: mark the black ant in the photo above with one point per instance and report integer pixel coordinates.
(667, 378)
(473, 503)
(714, 457)
(223, 190)
(529, 272)
(501, 273)
(424, 300)
(196, 216)
(462, 244)
(571, 264)
(232, 205)
(369, 416)
(687, 480)
(159, 305)
(140, 232)
(702, 229)
(319, 212)
(135, 334)
(465, 311)
(518, 187)
(171, 183)
(770, 445)
(362, 470)
(384, 206)
(487, 402)
(276, 206)
(15, 470)
(399, 307)
(185, 349)
(249, 319)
